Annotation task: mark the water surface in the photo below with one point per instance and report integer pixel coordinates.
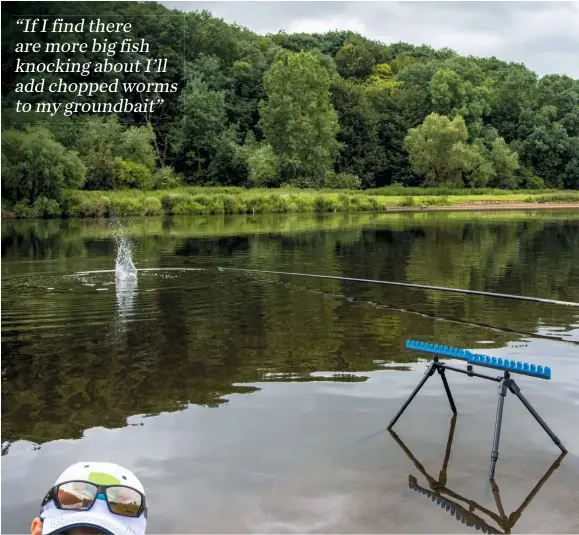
(255, 403)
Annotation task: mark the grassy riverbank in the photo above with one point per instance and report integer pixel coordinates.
(231, 200)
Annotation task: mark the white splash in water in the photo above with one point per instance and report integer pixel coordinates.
(124, 268)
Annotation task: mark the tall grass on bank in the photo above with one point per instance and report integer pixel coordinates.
(233, 200)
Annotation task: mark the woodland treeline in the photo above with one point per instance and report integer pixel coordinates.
(306, 110)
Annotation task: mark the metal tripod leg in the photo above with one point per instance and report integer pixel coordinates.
(513, 387)
(428, 374)
(495, 453)
(445, 383)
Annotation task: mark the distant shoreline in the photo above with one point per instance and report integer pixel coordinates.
(475, 206)
(489, 206)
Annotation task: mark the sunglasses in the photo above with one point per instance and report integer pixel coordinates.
(82, 495)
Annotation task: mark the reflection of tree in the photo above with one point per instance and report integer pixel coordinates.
(200, 336)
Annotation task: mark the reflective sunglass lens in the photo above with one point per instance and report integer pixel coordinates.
(124, 501)
(76, 495)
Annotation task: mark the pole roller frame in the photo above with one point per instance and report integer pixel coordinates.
(506, 384)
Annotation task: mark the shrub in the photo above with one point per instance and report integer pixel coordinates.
(437, 201)
(215, 205)
(170, 200)
(189, 207)
(126, 206)
(22, 210)
(535, 182)
(128, 174)
(165, 178)
(233, 204)
(264, 169)
(558, 197)
(257, 204)
(278, 204)
(46, 208)
(345, 181)
(303, 203)
(34, 164)
(345, 201)
(152, 206)
(408, 201)
(367, 204)
(529, 180)
(325, 203)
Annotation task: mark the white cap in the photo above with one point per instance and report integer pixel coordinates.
(56, 520)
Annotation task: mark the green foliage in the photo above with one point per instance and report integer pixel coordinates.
(126, 206)
(97, 141)
(571, 176)
(263, 167)
(46, 208)
(344, 181)
(505, 163)
(354, 60)
(22, 210)
(529, 180)
(315, 110)
(564, 197)
(298, 119)
(127, 174)
(438, 149)
(165, 178)
(362, 153)
(100, 141)
(34, 164)
(203, 120)
(206, 201)
(136, 145)
(478, 171)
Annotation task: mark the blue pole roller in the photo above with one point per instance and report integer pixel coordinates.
(525, 368)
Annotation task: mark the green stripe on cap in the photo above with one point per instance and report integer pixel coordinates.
(100, 478)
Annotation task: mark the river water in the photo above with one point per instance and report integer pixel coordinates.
(249, 402)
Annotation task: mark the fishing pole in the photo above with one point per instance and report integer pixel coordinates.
(410, 285)
(407, 310)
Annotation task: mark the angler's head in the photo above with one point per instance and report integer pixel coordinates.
(90, 498)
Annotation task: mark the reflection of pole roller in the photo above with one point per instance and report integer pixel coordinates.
(469, 512)
(505, 384)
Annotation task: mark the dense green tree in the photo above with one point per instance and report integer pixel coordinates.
(298, 119)
(263, 167)
(99, 140)
(450, 94)
(514, 88)
(34, 164)
(546, 149)
(413, 101)
(203, 119)
(354, 60)
(571, 176)
(478, 171)
(505, 163)
(136, 145)
(362, 154)
(438, 149)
